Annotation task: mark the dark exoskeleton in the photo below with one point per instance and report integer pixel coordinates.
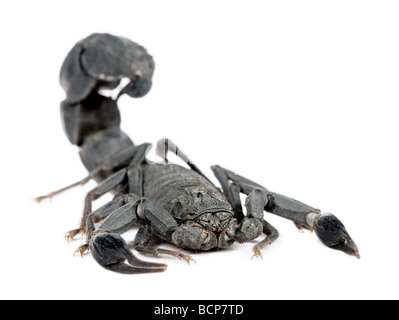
(167, 202)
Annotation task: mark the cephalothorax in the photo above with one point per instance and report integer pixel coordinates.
(167, 202)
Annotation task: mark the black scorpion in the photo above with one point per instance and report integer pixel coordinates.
(167, 202)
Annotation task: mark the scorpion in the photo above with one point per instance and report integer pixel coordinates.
(168, 203)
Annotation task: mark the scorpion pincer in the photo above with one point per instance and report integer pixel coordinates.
(166, 202)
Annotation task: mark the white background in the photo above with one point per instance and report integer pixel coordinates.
(300, 96)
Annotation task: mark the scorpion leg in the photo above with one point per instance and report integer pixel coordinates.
(225, 177)
(109, 184)
(82, 182)
(255, 204)
(271, 236)
(231, 190)
(120, 159)
(104, 211)
(122, 219)
(140, 155)
(251, 225)
(86, 224)
(135, 181)
(134, 176)
(328, 228)
(165, 145)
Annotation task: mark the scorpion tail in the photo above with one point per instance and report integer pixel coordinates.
(91, 120)
(112, 253)
(96, 64)
(90, 114)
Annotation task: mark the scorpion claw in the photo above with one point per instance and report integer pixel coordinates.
(333, 234)
(112, 253)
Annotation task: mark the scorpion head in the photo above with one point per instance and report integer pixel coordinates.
(333, 234)
(207, 231)
(215, 222)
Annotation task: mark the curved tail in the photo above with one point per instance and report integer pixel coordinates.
(90, 119)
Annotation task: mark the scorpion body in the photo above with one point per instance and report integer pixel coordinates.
(167, 202)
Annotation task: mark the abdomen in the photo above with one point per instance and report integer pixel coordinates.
(165, 182)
